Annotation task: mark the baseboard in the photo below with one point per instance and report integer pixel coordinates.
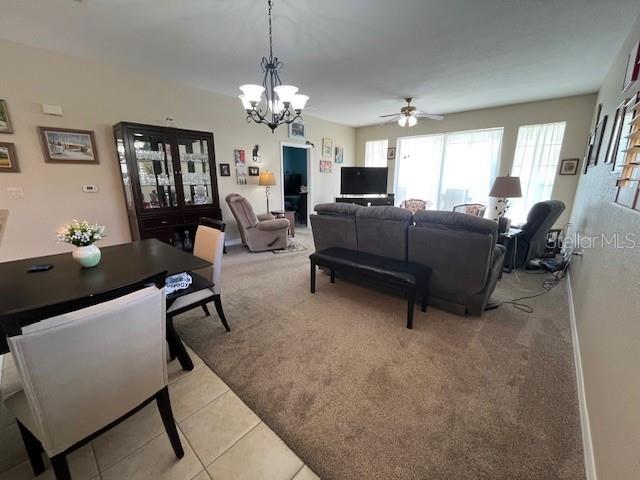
(587, 444)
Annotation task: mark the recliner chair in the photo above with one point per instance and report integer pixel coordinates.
(532, 241)
(258, 232)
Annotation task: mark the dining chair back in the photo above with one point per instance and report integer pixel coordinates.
(84, 371)
(475, 209)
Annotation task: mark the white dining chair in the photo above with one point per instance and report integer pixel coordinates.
(208, 245)
(85, 371)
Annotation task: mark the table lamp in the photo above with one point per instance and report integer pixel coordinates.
(504, 188)
(267, 180)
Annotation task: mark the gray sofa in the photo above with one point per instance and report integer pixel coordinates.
(460, 249)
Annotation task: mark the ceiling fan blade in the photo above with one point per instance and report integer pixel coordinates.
(432, 116)
(390, 115)
(391, 120)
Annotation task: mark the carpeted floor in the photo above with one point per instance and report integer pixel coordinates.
(358, 396)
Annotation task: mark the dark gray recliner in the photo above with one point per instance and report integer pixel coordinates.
(464, 257)
(532, 241)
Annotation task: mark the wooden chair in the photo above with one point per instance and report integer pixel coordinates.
(208, 245)
(475, 209)
(85, 371)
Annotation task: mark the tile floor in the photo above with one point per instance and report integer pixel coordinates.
(222, 439)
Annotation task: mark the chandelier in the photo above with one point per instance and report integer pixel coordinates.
(272, 103)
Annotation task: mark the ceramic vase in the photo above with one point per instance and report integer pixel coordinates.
(88, 256)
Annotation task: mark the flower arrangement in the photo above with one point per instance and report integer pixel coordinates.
(81, 234)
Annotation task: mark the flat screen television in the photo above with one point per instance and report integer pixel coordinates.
(363, 180)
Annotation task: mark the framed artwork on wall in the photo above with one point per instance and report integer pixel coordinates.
(5, 122)
(391, 153)
(325, 166)
(67, 145)
(339, 155)
(225, 171)
(569, 166)
(633, 67)
(254, 171)
(616, 133)
(8, 158)
(327, 147)
(297, 130)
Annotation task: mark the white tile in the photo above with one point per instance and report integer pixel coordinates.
(12, 450)
(259, 455)
(203, 475)
(156, 461)
(175, 371)
(306, 474)
(215, 428)
(194, 391)
(123, 439)
(81, 463)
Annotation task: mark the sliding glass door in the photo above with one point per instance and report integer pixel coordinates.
(448, 169)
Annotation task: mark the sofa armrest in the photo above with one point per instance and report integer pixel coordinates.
(498, 256)
(265, 216)
(270, 225)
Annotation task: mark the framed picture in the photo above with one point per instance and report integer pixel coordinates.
(327, 147)
(325, 166)
(254, 171)
(569, 166)
(297, 130)
(633, 67)
(8, 158)
(225, 171)
(616, 133)
(339, 155)
(5, 123)
(63, 145)
(391, 153)
(238, 157)
(595, 143)
(255, 155)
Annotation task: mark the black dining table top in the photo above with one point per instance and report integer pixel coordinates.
(121, 265)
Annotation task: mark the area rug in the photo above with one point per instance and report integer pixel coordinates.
(358, 396)
(292, 246)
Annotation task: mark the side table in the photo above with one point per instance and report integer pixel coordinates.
(289, 215)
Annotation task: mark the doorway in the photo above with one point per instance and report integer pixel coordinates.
(295, 180)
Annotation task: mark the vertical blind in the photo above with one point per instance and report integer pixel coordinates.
(448, 169)
(536, 163)
(375, 153)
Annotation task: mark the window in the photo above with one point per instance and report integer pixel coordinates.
(375, 153)
(448, 169)
(536, 163)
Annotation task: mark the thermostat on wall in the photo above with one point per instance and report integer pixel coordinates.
(90, 188)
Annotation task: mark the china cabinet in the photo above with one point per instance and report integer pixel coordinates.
(169, 181)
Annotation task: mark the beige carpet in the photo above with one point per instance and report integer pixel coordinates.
(358, 396)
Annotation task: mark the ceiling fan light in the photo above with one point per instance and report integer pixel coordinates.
(412, 121)
(253, 93)
(402, 121)
(246, 104)
(299, 101)
(286, 93)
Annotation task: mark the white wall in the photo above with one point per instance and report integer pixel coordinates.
(576, 111)
(95, 97)
(606, 287)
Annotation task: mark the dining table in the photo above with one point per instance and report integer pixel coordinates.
(27, 297)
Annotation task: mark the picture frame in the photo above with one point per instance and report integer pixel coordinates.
(5, 121)
(225, 170)
(339, 155)
(254, 171)
(8, 158)
(616, 133)
(68, 145)
(325, 166)
(633, 67)
(569, 166)
(391, 153)
(620, 155)
(297, 130)
(595, 143)
(327, 147)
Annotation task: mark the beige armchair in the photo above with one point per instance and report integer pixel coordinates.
(258, 232)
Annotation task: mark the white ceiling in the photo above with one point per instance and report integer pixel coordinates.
(355, 58)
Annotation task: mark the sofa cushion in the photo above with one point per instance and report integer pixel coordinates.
(337, 208)
(456, 221)
(383, 231)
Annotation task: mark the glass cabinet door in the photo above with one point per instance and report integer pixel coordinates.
(194, 168)
(155, 171)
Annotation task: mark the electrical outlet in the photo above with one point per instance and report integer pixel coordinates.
(15, 193)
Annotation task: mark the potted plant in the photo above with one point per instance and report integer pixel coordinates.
(83, 235)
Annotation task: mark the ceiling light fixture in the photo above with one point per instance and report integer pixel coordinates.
(280, 104)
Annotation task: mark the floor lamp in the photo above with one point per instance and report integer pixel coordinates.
(267, 180)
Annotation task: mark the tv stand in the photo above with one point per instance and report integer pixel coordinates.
(386, 200)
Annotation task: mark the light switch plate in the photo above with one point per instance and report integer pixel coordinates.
(52, 109)
(15, 193)
(90, 188)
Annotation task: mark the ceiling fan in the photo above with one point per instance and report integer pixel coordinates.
(409, 115)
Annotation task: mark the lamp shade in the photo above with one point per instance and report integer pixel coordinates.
(506, 187)
(267, 179)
